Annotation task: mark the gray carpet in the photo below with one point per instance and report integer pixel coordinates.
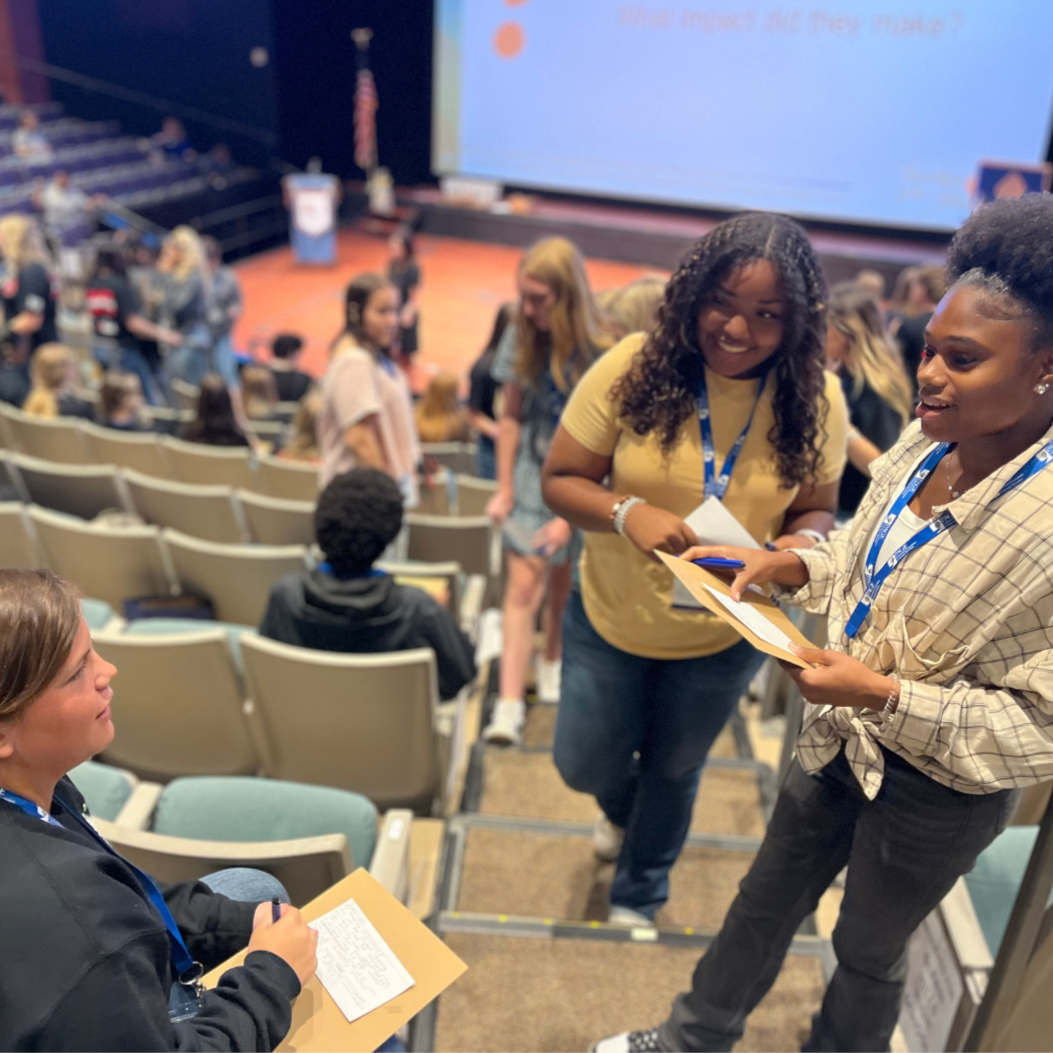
(550, 876)
(539, 994)
(527, 785)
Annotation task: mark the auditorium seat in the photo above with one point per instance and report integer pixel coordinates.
(275, 521)
(435, 499)
(473, 495)
(207, 512)
(291, 480)
(269, 431)
(438, 539)
(196, 462)
(167, 420)
(97, 613)
(442, 581)
(187, 395)
(115, 795)
(140, 451)
(110, 563)
(177, 705)
(168, 626)
(18, 544)
(237, 578)
(83, 490)
(305, 866)
(53, 439)
(361, 722)
(459, 457)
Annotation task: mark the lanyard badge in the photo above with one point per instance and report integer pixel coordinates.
(874, 576)
(713, 484)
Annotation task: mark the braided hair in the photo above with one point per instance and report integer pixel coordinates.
(657, 392)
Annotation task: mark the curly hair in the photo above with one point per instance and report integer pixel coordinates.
(358, 515)
(657, 392)
(1006, 248)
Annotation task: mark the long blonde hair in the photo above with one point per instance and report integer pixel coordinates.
(259, 391)
(578, 333)
(303, 446)
(51, 368)
(870, 356)
(20, 240)
(634, 307)
(438, 414)
(192, 253)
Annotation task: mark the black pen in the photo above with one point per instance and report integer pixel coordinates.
(276, 909)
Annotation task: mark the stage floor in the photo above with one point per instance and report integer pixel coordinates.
(463, 283)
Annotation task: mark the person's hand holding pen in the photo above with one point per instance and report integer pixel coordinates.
(281, 929)
(759, 567)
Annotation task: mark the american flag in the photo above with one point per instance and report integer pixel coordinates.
(365, 116)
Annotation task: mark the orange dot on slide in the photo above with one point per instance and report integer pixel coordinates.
(514, 3)
(508, 40)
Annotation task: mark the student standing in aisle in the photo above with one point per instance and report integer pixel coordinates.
(726, 400)
(935, 699)
(366, 420)
(876, 385)
(556, 335)
(404, 274)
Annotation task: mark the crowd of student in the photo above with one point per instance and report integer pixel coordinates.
(615, 425)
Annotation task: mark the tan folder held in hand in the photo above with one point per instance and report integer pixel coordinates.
(757, 618)
(317, 1022)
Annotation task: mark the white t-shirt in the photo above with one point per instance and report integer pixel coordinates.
(905, 527)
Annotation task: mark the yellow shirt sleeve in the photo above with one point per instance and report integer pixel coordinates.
(591, 416)
(834, 448)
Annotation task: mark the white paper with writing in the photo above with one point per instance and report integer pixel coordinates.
(356, 966)
(752, 619)
(714, 525)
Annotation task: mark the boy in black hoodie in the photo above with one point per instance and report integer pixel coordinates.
(346, 605)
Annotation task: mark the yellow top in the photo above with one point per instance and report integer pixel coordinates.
(627, 596)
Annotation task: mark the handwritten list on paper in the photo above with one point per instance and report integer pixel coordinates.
(358, 969)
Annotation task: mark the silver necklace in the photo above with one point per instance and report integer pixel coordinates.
(955, 494)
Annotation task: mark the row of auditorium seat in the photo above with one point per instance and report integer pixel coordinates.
(115, 563)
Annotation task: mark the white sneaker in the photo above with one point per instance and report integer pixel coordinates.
(607, 839)
(628, 1042)
(506, 723)
(548, 676)
(629, 919)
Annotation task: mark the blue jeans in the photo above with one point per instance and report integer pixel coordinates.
(485, 458)
(224, 362)
(132, 360)
(904, 850)
(615, 705)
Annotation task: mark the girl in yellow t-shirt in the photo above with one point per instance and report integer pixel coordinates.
(727, 398)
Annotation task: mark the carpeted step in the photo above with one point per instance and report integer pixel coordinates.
(527, 785)
(563, 994)
(556, 876)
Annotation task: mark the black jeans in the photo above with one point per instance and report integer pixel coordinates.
(904, 851)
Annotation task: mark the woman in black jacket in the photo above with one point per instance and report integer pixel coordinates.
(94, 951)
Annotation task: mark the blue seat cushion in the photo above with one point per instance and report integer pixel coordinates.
(164, 626)
(106, 790)
(97, 613)
(237, 808)
(995, 880)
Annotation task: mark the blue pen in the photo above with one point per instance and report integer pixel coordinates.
(718, 563)
(276, 909)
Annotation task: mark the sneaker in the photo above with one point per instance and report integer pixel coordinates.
(506, 723)
(547, 676)
(629, 1042)
(627, 918)
(607, 839)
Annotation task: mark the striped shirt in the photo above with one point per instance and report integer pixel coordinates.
(965, 622)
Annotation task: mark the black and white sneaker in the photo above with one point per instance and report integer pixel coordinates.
(629, 1042)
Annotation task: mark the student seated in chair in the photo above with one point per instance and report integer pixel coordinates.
(96, 954)
(346, 604)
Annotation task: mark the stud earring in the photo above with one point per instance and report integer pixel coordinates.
(1041, 389)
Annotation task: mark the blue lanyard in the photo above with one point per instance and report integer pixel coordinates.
(187, 970)
(875, 576)
(712, 483)
(327, 568)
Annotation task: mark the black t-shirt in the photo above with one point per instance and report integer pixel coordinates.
(292, 384)
(876, 421)
(110, 300)
(484, 388)
(911, 338)
(30, 290)
(404, 279)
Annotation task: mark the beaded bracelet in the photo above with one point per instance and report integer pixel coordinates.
(621, 510)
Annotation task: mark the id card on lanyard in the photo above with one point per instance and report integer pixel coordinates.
(873, 575)
(187, 972)
(711, 521)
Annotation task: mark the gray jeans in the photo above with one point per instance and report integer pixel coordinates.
(904, 851)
